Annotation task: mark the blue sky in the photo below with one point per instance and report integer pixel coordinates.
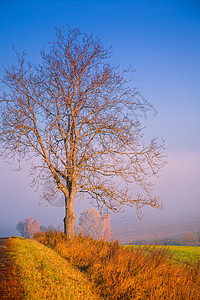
(161, 39)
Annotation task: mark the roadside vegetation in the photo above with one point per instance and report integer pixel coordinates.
(120, 273)
(44, 274)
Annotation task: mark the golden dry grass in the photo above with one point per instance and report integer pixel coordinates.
(119, 273)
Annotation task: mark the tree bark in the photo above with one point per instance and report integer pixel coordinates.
(70, 216)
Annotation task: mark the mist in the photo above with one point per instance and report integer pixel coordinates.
(177, 187)
(160, 39)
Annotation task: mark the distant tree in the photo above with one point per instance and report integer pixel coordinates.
(106, 227)
(27, 228)
(189, 239)
(91, 223)
(78, 115)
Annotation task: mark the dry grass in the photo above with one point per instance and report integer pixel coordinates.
(119, 273)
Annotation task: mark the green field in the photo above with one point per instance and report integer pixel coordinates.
(180, 254)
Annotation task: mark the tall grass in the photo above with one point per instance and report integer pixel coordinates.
(120, 273)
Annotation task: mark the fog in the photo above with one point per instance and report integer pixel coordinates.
(161, 41)
(177, 186)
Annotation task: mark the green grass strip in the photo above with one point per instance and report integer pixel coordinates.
(45, 275)
(180, 254)
(185, 254)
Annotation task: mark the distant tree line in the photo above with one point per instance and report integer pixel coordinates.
(188, 239)
(91, 223)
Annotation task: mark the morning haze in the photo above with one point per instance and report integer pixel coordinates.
(161, 41)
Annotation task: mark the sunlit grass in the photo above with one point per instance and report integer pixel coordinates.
(46, 275)
(180, 254)
(185, 254)
(125, 273)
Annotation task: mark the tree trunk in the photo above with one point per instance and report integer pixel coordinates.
(70, 216)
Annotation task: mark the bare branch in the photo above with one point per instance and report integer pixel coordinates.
(77, 113)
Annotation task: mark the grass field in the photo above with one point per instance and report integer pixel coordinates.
(46, 275)
(124, 273)
(56, 267)
(180, 254)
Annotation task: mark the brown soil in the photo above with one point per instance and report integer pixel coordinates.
(9, 278)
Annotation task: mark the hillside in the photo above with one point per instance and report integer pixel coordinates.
(120, 273)
(83, 268)
(43, 274)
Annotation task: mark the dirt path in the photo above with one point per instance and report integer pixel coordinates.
(2, 259)
(9, 283)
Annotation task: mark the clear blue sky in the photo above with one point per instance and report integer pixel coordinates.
(161, 39)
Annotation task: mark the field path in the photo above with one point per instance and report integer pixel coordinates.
(2, 257)
(9, 285)
(2, 267)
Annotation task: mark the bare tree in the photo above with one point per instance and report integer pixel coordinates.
(77, 113)
(90, 224)
(27, 228)
(106, 227)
